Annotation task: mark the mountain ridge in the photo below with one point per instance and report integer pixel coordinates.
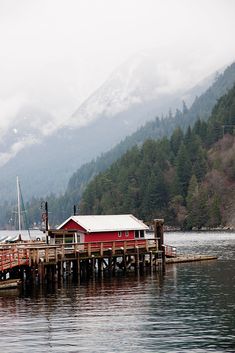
(188, 179)
(157, 128)
(70, 147)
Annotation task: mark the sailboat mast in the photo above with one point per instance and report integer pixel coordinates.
(18, 203)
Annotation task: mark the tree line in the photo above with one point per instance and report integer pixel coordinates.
(182, 179)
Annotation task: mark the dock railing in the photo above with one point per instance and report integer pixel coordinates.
(12, 257)
(29, 253)
(170, 251)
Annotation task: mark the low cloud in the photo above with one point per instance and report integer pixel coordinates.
(9, 107)
(16, 148)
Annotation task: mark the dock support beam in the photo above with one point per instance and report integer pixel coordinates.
(159, 236)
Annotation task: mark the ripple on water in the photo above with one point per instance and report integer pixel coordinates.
(190, 309)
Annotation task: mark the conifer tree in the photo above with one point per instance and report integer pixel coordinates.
(183, 169)
(176, 140)
(192, 203)
(214, 212)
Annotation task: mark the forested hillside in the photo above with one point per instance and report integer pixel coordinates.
(188, 179)
(158, 128)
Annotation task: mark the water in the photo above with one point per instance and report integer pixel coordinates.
(190, 309)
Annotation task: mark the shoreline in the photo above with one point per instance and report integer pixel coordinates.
(176, 230)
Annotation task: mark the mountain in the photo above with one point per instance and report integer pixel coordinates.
(141, 88)
(44, 156)
(29, 126)
(201, 107)
(62, 207)
(189, 179)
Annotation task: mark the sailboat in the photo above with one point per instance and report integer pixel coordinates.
(21, 212)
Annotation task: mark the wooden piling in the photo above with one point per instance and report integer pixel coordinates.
(100, 267)
(137, 259)
(52, 262)
(151, 260)
(159, 237)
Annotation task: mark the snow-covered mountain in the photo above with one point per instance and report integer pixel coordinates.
(142, 83)
(45, 155)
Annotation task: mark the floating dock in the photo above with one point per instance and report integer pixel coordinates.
(10, 284)
(189, 258)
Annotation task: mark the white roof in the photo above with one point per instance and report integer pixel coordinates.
(107, 223)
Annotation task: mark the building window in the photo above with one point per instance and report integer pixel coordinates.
(119, 234)
(139, 234)
(127, 234)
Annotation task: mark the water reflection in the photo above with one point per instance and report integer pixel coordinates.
(189, 309)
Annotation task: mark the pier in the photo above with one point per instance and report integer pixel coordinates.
(62, 255)
(42, 262)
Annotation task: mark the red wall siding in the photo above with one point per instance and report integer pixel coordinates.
(106, 236)
(72, 225)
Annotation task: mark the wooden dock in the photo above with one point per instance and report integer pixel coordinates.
(10, 284)
(46, 262)
(37, 260)
(189, 258)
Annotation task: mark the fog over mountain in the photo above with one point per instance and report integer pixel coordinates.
(45, 154)
(148, 84)
(144, 78)
(68, 91)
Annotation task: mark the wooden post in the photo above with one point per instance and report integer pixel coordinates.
(110, 263)
(56, 255)
(100, 267)
(142, 262)
(62, 268)
(89, 249)
(47, 254)
(85, 264)
(78, 267)
(124, 262)
(114, 265)
(37, 257)
(159, 236)
(62, 251)
(137, 259)
(34, 256)
(151, 260)
(41, 272)
(69, 267)
(141, 265)
(93, 266)
(124, 247)
(101, 249)
(113, 248)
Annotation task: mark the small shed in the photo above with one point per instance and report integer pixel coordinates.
(83, 229)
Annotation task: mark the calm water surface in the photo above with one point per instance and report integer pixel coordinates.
(189, 309)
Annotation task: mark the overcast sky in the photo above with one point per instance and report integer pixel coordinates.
(54, 53)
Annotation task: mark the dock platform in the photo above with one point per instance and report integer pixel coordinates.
(45, 261)
(189, 258)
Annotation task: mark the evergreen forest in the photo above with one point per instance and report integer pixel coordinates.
(187, 179)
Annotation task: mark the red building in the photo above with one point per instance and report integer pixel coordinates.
(83, 229)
